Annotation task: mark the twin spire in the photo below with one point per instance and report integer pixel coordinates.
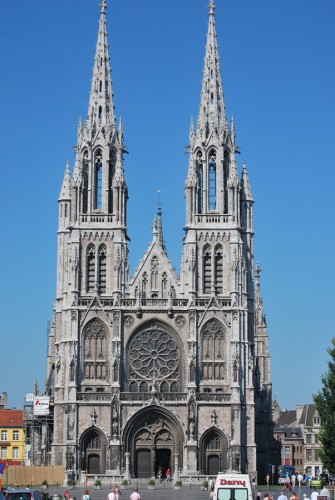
(212, 108)
(101, 107)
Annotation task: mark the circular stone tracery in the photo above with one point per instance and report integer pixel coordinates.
(153, 356)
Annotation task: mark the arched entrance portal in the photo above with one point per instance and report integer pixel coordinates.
(154, 438)
(93, 452)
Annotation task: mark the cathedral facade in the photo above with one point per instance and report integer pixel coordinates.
(154, 370)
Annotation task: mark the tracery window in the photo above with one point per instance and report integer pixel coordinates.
(213, 351)
(95, 350)
(102, 268)
(212, 181)
(154, 359)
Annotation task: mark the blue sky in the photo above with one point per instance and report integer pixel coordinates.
(278, 70)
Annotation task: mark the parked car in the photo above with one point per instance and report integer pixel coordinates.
(316, 482)
(24, 495)
(325, 477)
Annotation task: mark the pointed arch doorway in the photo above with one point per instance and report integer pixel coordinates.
(213, 452)
(153, 437)
(93, 452)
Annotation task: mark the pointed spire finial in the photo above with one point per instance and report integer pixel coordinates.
(103, 6)
(211, 7)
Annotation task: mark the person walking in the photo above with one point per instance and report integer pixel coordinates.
(85, 496)
(135, 495)
(113, 495)
(168, 475)
(282, 496)
(314, 495)
(293, 496)
(325, 492)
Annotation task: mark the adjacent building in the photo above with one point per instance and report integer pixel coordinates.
(297, 432)
(156, 369)
(12, 437)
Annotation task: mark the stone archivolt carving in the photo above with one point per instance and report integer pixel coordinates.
(129, 321)
(180, 320)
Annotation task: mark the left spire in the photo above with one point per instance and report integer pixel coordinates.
(101, 107)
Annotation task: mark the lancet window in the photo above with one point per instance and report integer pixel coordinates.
(98, 180)
(200, 173)
(111, 171)
(213, 351)
(207, 269)
(85, 182)
(218, 269)
(90, 259)
(154, 273)
(212, 181)
(102, 268)
(95, 350)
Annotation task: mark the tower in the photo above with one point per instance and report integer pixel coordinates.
(154, 370)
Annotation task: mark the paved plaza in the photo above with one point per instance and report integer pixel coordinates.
(166, 491)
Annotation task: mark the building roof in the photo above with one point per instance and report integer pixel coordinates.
(11, 418)
(287, 418)
(290, 432)
(307, 415)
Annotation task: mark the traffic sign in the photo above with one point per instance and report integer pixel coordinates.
(2, 468)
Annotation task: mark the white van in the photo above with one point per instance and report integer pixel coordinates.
(232, 486)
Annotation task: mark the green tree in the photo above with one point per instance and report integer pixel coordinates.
(324, 401)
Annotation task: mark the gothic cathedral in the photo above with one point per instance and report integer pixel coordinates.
(154, 370)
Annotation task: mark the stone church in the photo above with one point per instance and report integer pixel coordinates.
(155, 370)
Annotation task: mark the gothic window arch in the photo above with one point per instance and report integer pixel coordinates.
(212, 180)
(95, 350)
(72, 371)
(90, 266)
(98, 180)
(154, 359)
(207, 269)
(85, 182)
(218, 271)
(200, 173)
(102, 268)
(213, 348)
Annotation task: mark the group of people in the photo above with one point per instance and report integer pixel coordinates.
(290, 482)
(160, 476)
(115, 494)
(314, 495)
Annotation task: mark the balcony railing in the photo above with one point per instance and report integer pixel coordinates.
(173, 397)
(96, 218)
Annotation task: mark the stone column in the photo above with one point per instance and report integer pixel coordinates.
(127, 472)
(176, 467)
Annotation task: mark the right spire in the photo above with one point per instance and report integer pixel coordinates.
(212, 108)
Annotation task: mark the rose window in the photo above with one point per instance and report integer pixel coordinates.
(153, 361)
